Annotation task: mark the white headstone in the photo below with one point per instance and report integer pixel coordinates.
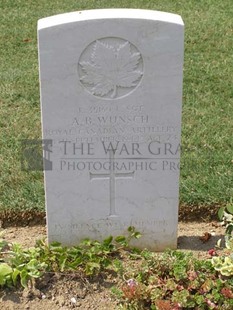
(111, 96)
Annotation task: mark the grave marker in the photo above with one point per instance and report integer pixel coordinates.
(111, 95)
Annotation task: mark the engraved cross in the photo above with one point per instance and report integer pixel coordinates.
(112, 176)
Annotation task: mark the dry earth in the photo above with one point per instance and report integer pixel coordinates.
(64, 292)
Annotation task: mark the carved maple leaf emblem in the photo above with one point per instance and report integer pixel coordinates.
(111, 67)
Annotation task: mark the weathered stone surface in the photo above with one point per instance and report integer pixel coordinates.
(111, 95)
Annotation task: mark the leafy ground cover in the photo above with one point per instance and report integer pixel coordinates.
(207, 160)
(110, 275)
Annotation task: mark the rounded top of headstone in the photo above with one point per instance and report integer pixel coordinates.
(109, 14)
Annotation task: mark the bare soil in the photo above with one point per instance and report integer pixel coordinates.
(64, 292)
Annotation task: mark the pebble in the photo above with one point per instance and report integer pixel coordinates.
(61, 300)
(81, 293)
(95, 287)
(73, 300)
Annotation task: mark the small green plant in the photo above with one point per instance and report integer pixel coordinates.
(19, 264)
(175, 280)
(224, 263)
(88, 258)
(225, 215)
